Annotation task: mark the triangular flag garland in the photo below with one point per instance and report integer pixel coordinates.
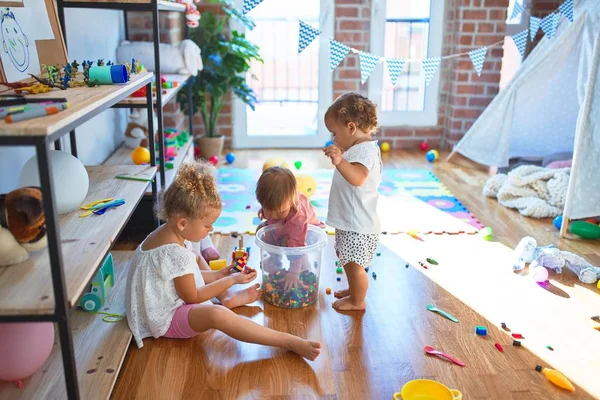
(395, 67)
(517, 9)
(430, 66)
(549, 24)
(534, 26)
(566, 9)
(520, 40)
(477, 58)
(249, 5)
(337, 52)
(306, 36)
(368, 62)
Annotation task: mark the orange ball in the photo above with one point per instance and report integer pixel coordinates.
(140, 155)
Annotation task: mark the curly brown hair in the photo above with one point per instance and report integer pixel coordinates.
(275, 187)
(191, 194)
(356, 108)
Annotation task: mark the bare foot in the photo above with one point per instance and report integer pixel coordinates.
(340, 294)
(346, 304)
(304, 348)
(243, 297)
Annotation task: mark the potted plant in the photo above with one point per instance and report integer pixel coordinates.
(227, 57)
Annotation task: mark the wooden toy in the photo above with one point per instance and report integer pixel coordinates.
(240, 251)
(101, 284)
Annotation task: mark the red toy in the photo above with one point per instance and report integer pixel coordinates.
(424, 146)
(214, 160)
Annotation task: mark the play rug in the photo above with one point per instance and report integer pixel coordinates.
(400, 211)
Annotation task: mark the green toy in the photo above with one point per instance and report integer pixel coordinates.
(585, 229)
(101, 284)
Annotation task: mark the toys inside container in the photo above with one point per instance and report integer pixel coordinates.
(281, 287)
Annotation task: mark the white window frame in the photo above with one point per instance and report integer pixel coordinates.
(429, 115)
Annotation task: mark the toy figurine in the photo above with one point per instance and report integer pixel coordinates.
(15, 85)
(36, 88)
(100, 62)
(47, 82)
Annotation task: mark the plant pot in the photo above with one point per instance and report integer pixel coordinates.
(210, 146)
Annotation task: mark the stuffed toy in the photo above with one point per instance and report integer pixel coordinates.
(192, 15)
(136, 133)
(183, 59)
(22, 225)
(554, 259)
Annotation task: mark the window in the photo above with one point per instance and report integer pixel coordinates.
(410, 29)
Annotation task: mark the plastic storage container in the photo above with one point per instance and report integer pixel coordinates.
(280, 286)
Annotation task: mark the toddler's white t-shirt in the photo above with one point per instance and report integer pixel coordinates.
(353, 208)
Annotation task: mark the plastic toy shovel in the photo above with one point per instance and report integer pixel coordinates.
(432, 308)
(432, 351)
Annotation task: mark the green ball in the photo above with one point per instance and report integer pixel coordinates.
(339, 270)
(298, 164)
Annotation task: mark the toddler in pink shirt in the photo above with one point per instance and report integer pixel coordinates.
(282, 204)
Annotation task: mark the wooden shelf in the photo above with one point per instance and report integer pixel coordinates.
(122, 156)
(100, 349)
(27, 287)
(167, 97)
(84, 103)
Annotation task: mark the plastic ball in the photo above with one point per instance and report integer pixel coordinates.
(275, 162)
(214, 160)
(298, 164)
(140, 155)
(430, 156)
(385, 147)
(486, 233)
(539, 274)
(25, 347)
(306, 185)
(230, 158)
(424, 146)
(329, 143)
(70, 180)
(558, 222)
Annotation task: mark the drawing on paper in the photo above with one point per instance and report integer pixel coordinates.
(14, 42)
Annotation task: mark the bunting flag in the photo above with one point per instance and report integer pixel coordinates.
(477, 58)
(249, 5)
(306, 36)
(395, 67)
(517, 9)
(566, 9)
(549, 24)
(337, 52)
(430, 66)
(534, 26)
(520, 40)
(368, 62)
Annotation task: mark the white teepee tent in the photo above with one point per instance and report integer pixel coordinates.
(552, 105)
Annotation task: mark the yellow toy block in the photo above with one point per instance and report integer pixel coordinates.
(216, 265)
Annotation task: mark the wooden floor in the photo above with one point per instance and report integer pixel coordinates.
(370, 356)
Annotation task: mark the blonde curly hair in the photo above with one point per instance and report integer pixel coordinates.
(356, 108)
(192, 193)
(276, 187)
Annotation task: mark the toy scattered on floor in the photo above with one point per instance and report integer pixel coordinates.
(486, 233)
(337, 262)
(423, 146)
(499, 347)
(328, 290)
(504, 327)
(434, 309)
(517, 336)
(481, 330)
(423, 265)
(415, 236)
(216, 265)
(374, 275)
(550, 348)
(555, 259)
(524, 252)
(100, 287)
(516, 343)
(339, 270)
(406, 266)
(585, 229)
(230, 158)
(22, 221)
(303, 295)
(385, 147)
(432, 155)
(378, 254)
(306, 185)
(432, 261)
(298, 164)
(539, 274)
(596, 318)
(140, 155)
(432, 351)
(338, 279)
(556, 378)
(214, 160)
(275, 162)
(558, 222)
(425, 389)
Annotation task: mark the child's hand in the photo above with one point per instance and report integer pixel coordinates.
(334, 153)
(226, 271)
(241, 278)
(291, 280)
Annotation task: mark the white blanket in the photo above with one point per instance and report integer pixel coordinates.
(535, 191)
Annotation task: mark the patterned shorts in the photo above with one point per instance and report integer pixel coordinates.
(355, 247)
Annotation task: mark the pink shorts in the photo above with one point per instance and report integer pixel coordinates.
(180, 326)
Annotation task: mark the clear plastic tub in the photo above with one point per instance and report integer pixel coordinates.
(290, 275)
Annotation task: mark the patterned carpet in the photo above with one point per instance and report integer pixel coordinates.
(398, 189)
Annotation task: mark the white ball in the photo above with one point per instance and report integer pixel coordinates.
(70, 179)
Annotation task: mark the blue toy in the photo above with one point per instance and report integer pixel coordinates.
(230, 158)
(481, 330)
(101, 284)
(329, 143)
(432, 155)
(558, 222)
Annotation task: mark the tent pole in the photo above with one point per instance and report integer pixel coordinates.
(564, 226)
(450, 155)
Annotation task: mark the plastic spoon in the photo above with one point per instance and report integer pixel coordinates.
(432, 351)
(432, 308)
